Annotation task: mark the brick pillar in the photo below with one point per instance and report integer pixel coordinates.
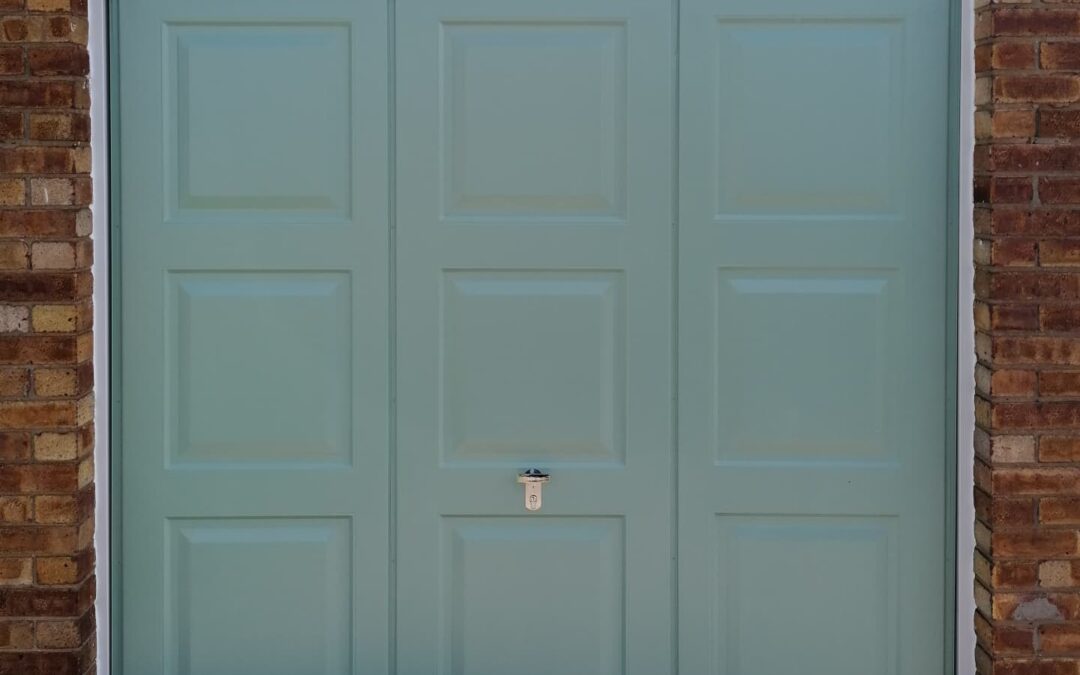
(46, 405)
(1027, 318)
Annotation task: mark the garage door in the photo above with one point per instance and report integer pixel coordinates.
(383, 269)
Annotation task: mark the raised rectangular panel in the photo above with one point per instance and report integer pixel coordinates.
(533, 595)
(257, 123)
(793, 591)
(805, 361)
(263, 595)
(534, 120)
(533, 367)
(808, 117)
(259, 368)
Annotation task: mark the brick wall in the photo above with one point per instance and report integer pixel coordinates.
(46, 409)
(1027, 317)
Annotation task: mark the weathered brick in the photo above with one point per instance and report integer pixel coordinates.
(1059, 573)
(56, 571)
(14, 319)
(1059, 55)
(1036, 89)
(1036, 481)
(1035, 22)
(1058, 319)
(34, 478)
(1059, 638)
(1036, 350)
(14, 255)
(38, 287)
(59, 60)
(52, 255)
(1059, 449)
(1059, 383)
(1036, 606)
(29, 414)
(36, 540)
(12, 192)
(1031, 667)
(1059, 190)
(1060, 123)
(1014, 317)
(52, 382)
(15, 571)
(12, 125)
(34, 349)
(16, 635)
(1059, 511)
(55, 510)
(14, 383)
(1036, 543)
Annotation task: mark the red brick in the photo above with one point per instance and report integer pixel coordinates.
(1012, 55)
(1060, 55)
(1059, 449)
(11, 125)
(37, 94)
(1041, 481)
(1005, 191)
(1059, 638)
(1035, 22)
(1059, 190)
(1012, 123)
(1061, 123)
(38, 224)
(1060, 252)
(37, 540)
(1036, 350)
(1023, 157)
(1034, 285)
(38, 602)
(1036, 89)
(1022, 606)
(1014, 574)
(29, 414)
(60, 60)
(1065, 318)
(1004, 513)
(1014, 317)
(1030, 667)
(1059, 383)
(1059, 511)
(1014, 252)
(33, 349)
(39, 478)
(11, 61)
(48, 287)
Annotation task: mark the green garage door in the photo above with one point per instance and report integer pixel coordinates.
(376, 261)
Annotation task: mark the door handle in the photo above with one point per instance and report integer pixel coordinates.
(533, 480)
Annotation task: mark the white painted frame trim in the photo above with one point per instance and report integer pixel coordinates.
(965, 361)
(965, 357)
(99, 134)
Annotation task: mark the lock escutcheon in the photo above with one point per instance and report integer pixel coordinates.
(533, 480)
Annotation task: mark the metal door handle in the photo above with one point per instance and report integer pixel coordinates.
(533, 480)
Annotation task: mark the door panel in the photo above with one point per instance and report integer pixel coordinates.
(255, 449)
(534, 306)
(812, 355)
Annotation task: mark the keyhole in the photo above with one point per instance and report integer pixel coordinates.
(532, 500)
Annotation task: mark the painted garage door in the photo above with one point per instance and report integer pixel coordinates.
(377, 260)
